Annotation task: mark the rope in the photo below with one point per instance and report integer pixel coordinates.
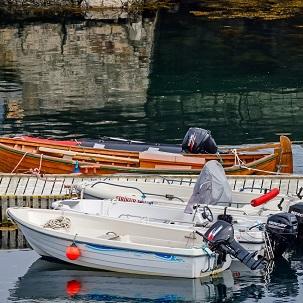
(263, 171)
(60, 222)
(19, 162)
(37, 171)
(238, 162)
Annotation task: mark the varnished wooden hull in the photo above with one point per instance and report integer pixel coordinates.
(23, 156)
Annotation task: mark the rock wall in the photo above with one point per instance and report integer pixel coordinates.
(83, 3)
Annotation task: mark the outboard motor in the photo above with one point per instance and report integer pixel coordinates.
(282, 229)
(199, 141)
(297, 210)
(220, 237)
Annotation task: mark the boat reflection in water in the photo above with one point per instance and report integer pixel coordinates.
(47, 281)
(284, 278)
(282, 283)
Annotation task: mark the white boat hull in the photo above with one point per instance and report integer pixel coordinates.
(168, 194)
(252, 240)
(118, 258)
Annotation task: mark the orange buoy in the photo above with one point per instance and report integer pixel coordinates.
(73, 287)
(72, 252)
(265, 198)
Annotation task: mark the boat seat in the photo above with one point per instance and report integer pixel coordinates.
(251, 211)
(170, 159)
(56, 151)
(110, 235)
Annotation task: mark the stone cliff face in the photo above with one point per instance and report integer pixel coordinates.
(60, 3)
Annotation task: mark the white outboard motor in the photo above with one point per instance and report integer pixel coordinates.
(220, 237)
(199, 141)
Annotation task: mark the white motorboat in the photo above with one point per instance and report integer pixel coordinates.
(212, 188)
(178, 193)
(120, 245)
(174, 216)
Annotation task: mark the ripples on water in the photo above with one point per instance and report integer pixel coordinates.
(36, 280)
(151, 78)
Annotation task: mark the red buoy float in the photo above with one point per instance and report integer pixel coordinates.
(72, 252)
(265, 198)
(73, 287)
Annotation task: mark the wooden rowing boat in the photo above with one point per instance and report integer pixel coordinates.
(47, 157)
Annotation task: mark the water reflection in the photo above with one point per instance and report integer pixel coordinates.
(152, 77)
(71, 67)
(283, 280)
(240, 78)
(47, 280)
(282, 283)
(59, 281)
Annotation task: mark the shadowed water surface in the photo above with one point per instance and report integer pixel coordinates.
(32, 279)
(152, 77)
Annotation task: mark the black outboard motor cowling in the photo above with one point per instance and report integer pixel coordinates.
(283, 230)
(297, 210)
(199, 141)
(220, 237)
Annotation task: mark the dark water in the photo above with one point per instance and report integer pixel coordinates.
(150, 77)
(31, 279)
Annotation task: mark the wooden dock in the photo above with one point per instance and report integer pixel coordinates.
(40, 192)
(56, 186)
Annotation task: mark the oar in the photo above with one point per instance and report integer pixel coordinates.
(79, 155)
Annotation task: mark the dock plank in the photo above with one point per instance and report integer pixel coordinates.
(48, 188)
(30, 187)
(12, 201)
(12, 186)
(40, 184)
(4, 239)
(12, 239)
(22, 185)
(58, 185)
(4, 200)
(5, 181)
